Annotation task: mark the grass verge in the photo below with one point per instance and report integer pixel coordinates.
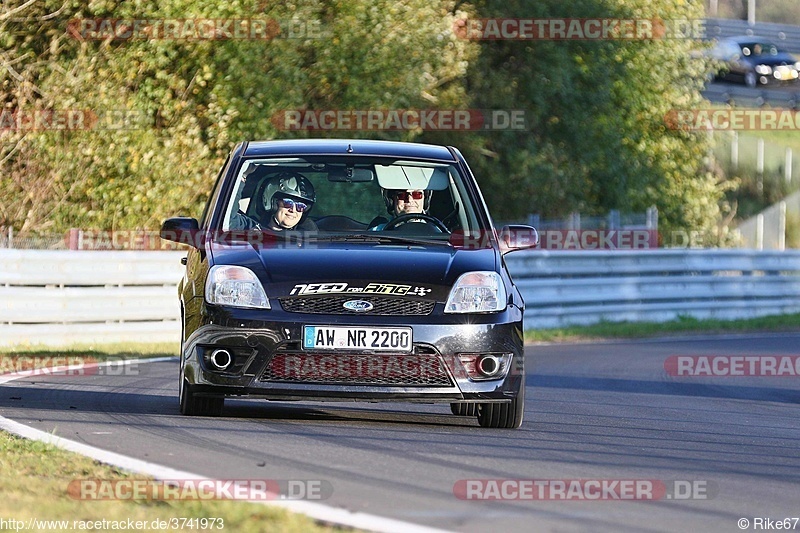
(35, 477)
(681, 326)
(126, 350)
(78, 359)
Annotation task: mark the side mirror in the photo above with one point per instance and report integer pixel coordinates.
(183, 230)
(517, 237)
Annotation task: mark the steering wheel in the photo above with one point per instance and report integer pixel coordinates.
(402, 219)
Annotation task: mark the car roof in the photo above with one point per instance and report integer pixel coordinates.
(348, 147)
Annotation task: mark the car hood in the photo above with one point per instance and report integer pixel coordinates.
(427, 271)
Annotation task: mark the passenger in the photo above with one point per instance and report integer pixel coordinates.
(287, 200)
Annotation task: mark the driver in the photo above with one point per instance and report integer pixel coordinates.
(287, 199)
(405, 202)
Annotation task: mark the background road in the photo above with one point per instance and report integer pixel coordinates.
(782, 97)
(594, 411)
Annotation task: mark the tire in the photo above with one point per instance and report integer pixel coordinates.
(750, 79)
(464, 409)
(503, 415)
(193, 405)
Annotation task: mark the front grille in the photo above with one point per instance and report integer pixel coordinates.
(357, 369)
(333, 305)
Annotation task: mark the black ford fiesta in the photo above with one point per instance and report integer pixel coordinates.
(350, 270)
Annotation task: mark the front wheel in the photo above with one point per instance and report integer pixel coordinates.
(503, 415)
(193, 405)
(464, 409)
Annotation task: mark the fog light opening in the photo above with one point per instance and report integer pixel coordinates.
(485, 366)
(221, 359)
(488, 365)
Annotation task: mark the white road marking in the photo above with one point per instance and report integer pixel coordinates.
(317, 511)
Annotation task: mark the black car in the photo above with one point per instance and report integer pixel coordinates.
(754, 61)
(340, 270)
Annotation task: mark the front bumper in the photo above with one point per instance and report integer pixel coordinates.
(780, 75)
(256, 346)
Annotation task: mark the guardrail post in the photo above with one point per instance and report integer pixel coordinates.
(760, 231)
(574, 221)
(652, 217)
(74, 237)
(760, 166)
(782, 226)
(788, 166)
(613, 219)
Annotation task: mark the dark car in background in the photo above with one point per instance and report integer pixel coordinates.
(351, 303)
(754, 61)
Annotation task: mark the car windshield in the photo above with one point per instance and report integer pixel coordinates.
(759, 49)
(354, 198)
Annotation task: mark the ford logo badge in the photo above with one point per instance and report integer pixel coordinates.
(359, 306)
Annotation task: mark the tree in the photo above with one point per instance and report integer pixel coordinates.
(165, 111)
(596, 109)
(192, 99)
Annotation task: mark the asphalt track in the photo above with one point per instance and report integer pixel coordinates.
(597, 412)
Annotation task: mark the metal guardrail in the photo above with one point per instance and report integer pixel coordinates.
(786, 36)
(586, 287)
(742, 96)
(58, 297)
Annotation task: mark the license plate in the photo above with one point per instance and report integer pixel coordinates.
(355, 338)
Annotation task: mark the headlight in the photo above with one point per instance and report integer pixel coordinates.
(797, 66)
(235, 286)
(764, 69)
(477, 292)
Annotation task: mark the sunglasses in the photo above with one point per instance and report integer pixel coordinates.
(408, 195)
(288, 203)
